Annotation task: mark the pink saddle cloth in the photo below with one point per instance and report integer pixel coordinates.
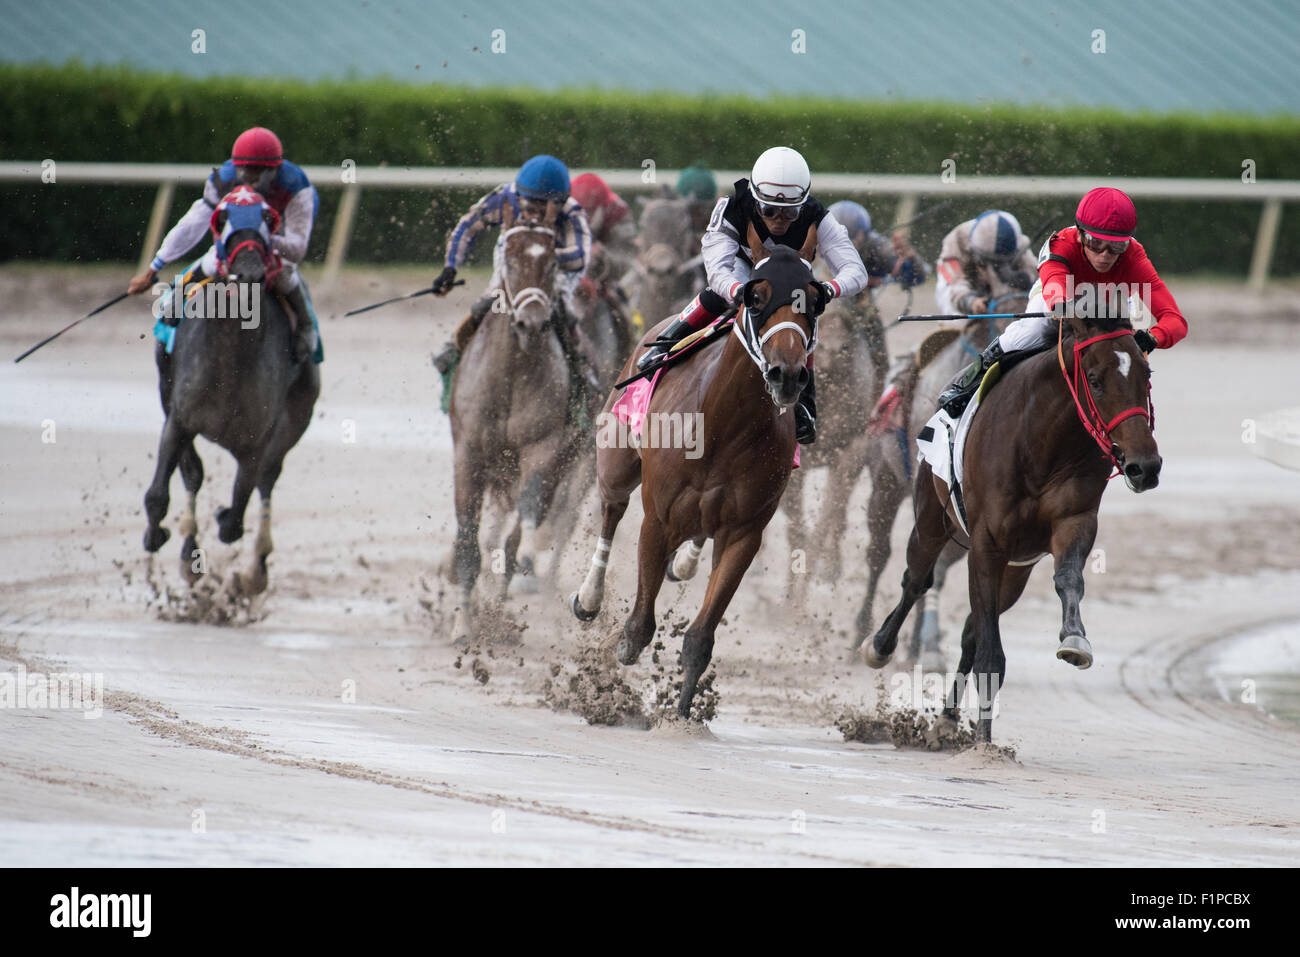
(631, 407)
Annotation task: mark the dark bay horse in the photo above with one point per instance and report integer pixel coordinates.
(232, 379)
(1036, 463)
(740, 394)
(509, 421)
(892, 460)
(666, 262)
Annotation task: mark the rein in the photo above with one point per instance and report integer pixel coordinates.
(1092, 420)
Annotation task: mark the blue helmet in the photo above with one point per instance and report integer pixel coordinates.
(543, 177)
(852, 216)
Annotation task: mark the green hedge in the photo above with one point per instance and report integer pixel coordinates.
(118, 115)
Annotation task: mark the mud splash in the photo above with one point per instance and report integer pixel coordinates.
(905, 728)
(213, 600)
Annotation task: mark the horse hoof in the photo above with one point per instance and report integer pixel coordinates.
(1075, 650)
(581, 613)
(254, 581)
(192, 561)
(525, 567)
(625, 654)
(155, 538)
(871, 659)
(229, 528)
(668, 573)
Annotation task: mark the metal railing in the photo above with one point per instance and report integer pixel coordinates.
(1270, 193)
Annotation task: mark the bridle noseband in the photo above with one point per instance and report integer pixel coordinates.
(529, 294)
(1091, 417)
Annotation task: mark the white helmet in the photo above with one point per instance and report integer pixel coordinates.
(996, 235)
(780, 178)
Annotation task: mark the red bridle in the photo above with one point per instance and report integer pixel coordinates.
(1091, 417)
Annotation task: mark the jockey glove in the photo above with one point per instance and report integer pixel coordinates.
(442, 284)
(1146, 342)
(825, 293)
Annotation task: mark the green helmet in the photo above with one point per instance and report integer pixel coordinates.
(697, 183)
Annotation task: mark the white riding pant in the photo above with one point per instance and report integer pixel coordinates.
(1030, 333)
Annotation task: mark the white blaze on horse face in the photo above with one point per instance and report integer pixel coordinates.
(536, 250)
(1125, 360)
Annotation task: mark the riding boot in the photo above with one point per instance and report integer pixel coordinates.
(805, 412)
(957, 396)
(570, 344)
(304, 338)
(679, 329)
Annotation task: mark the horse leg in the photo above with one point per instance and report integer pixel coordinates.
(652, 562)
(230, 521)
(731, 559)
(796, 534)
(685, 561)
(925, 634)
(1014, 579)
(468, 558)
(586, 600)
(887, 494)
(158, 495)
(193, 561)
(1072, 540)
(928, 539)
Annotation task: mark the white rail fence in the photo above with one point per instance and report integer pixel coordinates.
(1271, 194)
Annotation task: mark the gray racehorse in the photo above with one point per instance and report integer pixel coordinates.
(233, 380)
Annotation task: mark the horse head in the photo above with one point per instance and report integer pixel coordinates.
(662, 241)
(1007, 283)
(242, 225)
(1110, 381)
(779, 324)
(528, 273)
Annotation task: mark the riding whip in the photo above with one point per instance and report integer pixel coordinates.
(111, 302)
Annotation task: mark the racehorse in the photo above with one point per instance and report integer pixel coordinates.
(510, 410)
(233, 380)
(666, 264)
(1036, 463)
(730, 492)
(891, 458)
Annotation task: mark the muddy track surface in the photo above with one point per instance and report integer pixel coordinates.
(331, 721)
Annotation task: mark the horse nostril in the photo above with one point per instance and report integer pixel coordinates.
(773, 375)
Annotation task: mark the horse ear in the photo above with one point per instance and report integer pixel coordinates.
(809, 249)
(552, 213)
(269, 217)
(756, 250)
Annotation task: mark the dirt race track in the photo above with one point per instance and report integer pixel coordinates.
(332, 722)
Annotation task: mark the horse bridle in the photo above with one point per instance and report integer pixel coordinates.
(1092, 419)
(753, 342)
(529, 294)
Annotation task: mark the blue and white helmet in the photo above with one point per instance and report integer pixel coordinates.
(852, 216)
(996, 235)
(543, 177)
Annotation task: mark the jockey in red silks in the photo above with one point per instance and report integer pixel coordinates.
(1084, 267)
(776, 201)
(613, 240)
(257, 161)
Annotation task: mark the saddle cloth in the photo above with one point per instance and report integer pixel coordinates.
(942, 443)
(632, 406)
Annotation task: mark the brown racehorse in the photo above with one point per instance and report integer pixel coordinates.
(1036, 464)
(508, 421)
(730, 491)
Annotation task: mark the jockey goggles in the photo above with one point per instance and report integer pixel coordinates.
(1103, 245)
(788, 213)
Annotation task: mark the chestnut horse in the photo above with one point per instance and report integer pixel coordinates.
(1035, 466)
(730, 491)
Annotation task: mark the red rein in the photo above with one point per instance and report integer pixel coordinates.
(1091, 418)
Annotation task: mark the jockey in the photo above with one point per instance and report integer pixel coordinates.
(256, 160)
(776, 202)
(885, 260)
(613, 247)
(992, 240)
(541, 180)
(698, 186)
(1077, 263)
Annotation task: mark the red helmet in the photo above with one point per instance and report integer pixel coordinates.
(257, 147)
(1107, 213)
(594, 195)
